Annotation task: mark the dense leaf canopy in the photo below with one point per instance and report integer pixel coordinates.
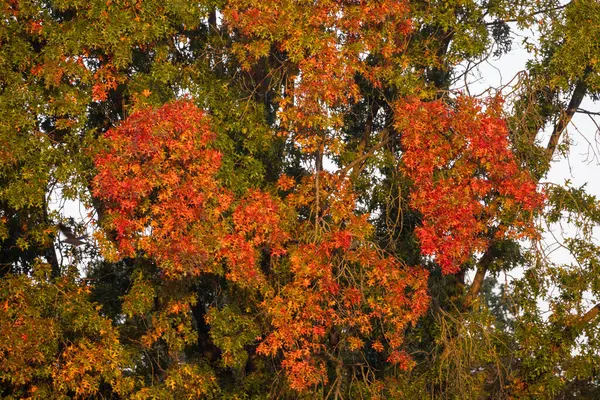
(294, 199)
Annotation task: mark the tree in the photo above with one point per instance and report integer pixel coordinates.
(287, 198)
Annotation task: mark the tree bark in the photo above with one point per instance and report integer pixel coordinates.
(565, 117)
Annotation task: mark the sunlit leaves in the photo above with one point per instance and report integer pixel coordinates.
(323, 46)
(342, 290)
(234, 257)
(53, 341)
(467, 183)
(232, 331)
(158, 179)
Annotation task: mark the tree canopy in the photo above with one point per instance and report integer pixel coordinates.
(294, 199)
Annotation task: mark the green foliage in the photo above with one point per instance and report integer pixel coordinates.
(232, 332)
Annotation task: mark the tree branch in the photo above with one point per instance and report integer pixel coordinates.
(565, 117)
(533, 14)
(50, 251)
(385, 139)
(582, 111)
(484, 264)
(590, 315)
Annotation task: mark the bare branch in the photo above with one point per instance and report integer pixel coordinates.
(582, 111)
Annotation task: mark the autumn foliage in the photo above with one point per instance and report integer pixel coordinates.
(327, 44)
(467, 183)
(157, 175)
(52, 340)
(290, 199)
(341, 288)
(158, 178)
